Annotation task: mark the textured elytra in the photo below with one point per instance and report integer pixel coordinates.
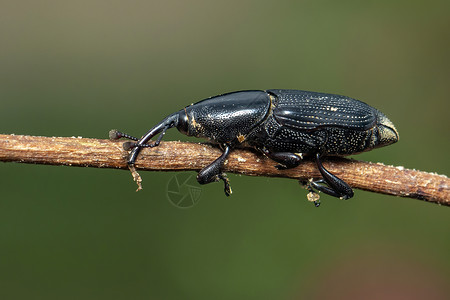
(310, 122)
(310, 110)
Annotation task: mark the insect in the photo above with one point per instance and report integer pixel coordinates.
(285, 125)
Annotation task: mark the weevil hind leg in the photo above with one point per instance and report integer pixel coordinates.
(286, 160)
(317, 184)
(213, 172)
(334, 186)
(226, 181)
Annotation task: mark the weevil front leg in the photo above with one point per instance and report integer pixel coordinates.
(213, 172)
(138, 144)
(160, 129)
(336, 186)
(114, 134)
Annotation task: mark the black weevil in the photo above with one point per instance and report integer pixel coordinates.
(285, 125)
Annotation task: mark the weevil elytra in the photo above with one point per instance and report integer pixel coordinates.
(284, 125)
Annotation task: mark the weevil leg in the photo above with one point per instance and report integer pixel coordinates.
(139, 145)
(336, 186)
(114, 134)
(313, 196)
(161, 129)
(226, 181)
(286, 160)
(316, 184)
(213, 172)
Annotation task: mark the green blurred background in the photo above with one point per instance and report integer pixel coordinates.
(80, 68)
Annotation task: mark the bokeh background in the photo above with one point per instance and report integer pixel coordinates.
(80, 68)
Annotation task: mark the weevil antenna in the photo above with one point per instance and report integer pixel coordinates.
(115, 134)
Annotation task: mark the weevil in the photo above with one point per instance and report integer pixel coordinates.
(284, 125)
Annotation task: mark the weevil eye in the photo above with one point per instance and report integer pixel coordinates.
(183, 122)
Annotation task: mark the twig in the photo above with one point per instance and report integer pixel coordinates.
(181, 156)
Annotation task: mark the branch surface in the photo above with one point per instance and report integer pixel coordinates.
(182, 156)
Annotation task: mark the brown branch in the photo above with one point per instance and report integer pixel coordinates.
(180, 156)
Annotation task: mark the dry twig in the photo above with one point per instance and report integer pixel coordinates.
(181, 156)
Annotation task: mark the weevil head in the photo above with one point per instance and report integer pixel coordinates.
(387, 133)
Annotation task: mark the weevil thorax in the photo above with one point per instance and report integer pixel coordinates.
(227, 118)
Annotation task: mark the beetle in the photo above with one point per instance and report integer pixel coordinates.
(285, 125)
